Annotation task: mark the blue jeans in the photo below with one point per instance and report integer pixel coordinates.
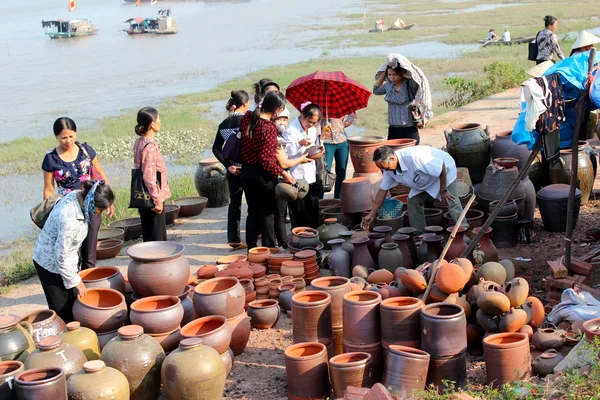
(340, 151)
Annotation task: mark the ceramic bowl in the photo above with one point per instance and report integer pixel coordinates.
(110, 233)
(315, 152)
(191, 206)
(171, 212)
(108, 248)
(131, 226)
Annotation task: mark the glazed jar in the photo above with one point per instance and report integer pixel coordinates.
(214, 331)
(286, 292)
(339, 260)
(98, 381)
(240, 328)
(83, 338)
(8, 371)
(361, 253)
(41, 383)
(507, 358)
(350, 369)
(485, 250)
(100, 309)
(376, 240)
(189, 314)
(444, 329)
(390, 257)
(219, 296)
(306, 370)
(311, 317)
(361, 317)
(181, 369)
(546, 339)
(139, 357)
(16, 342)
(44, 323)
(330, 230)
(545, 363)
(470, 146)
(401, 322)
(53, 352)
(103, 277)
(211, 182)
(405, 370)
(263, 314)
(560, 172)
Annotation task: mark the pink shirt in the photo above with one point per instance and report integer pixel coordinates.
(147, 156)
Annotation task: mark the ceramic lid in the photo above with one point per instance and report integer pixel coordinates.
(330, 220)
(73, 326)
(130, 331)
(305, 254)
(49, 343)
(190, 343)
(94, 366)
(558, 191)
(8, 320)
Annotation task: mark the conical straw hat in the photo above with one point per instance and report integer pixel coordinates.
(585, 39)
(539, 69)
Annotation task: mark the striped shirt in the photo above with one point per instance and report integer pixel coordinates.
(547, 44)
(398, 102)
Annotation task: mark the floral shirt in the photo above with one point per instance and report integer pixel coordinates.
(57, 247)
(547, 43)
(334, 133)
(147, 156)
(69, 175)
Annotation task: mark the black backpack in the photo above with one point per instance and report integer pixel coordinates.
(533, 49)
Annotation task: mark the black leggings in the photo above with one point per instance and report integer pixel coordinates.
(59, 298)
(280, 228)
(259, 188)
(88, 247)
(234, 212)
(154, 226)
(403, 132)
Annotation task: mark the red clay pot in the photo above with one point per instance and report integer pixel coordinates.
(485, 251)
(311, 317)
(307, 372)
(350, 369)
(240, 327)
(8, 370)
(336, 286)
(401, 322)
(444, 329)
(376, 352)
(361, 254)
(102, 310)
(413, 281)
(44, 323)
(258, 255)
(157, 314)
(219, 296)
(361, 317)
(103, 277)
(41, 383)
(263, 314)
(405, 370)
(214, 331)
(458, 245)
(507, 358)
(450, 278)
(535, 311)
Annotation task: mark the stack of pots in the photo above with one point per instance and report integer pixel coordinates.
(311, 319)
(275, 281)
(311, 266)
(160, 317)
(325, 204)
(261, 287)
(259, 255)
(361, 155)
(302, 237)
(295, 269)
(362, 326)
(470, 147)
(276, 260)
(215, 332)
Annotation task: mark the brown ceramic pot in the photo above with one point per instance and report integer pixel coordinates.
(306, 369)
(361, 317)
(434, 247)
(376, 240)
(485, 250)
(311, 317)
(361, 253)
(451, 278)
(41, 383)
(380, 276)
(402, 241)
(492, 302)
(448, 373)
(103, 277)
(544, 364)
(507, 357)
(513, 320)
(401, 322)
(214, 331)
(444, 329)
(44, 323)
(350, 369)
(189, 313)
(263, 314)
(336, 286)
(157, 314)
(102, 310)
(83, 338)
(240, 328)
(16, 342)
(219, 296)
(353, 196)
(361, 152)
(8, 371)
(227, 359)
(97, 381)
(258, 255)
(301, 237)
(376, 352)
(548, 338)
(53, 352)
(458, 245)
(405, 370)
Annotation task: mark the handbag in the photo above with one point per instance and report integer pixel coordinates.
(416, 111)
(232, 150)
(533, 49)
(140, 196)
(40, 213)
(325, 180)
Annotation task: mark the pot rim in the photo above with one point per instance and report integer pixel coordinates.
(11, 368)
(468, 126)
(425, 310)
(155, 298)
(187, 326)
(409, 352)
(178, 249)
(290, 286)
(198, 288)
(57, 374)
(322, 351)
(326, 298)
(237, 257)
(365, 359)
(118, 243)
(416, 303)
(258, 304)
(345, 282)
(376, 297)
(360, 240)
(35, 313)
(259, 250)
(79, 298)
(522, 339)
(85, 272)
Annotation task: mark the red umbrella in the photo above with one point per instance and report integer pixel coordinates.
(334, 92)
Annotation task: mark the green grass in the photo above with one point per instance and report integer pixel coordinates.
(16, 265)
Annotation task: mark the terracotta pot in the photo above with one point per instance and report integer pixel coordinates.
(448, 373)
(458, 245)
(189, 313)
(513, 320)
(263, 314)
(402, 241)
(451, 278)
(361, 152)
(231, 259)
(350, 369)
(413, 281)
(96, 381)
(405, 370)
(397, 144)
(219, 296)
(157, 314)
(214, 331)
(52, 352)
(361, 253)
(461, 301)
(485, 250)
(41, 383)
(102, 310)
(507, 358)
(336, 287)
(401, 322)
(559, 173)
(339, 260)
(493, 303)
(258, 255)
(303, 237)
(83, 338)
(591, 328)
(16, 342)
(376, 352)
(292, 268)
(240, 327)
(44, 323)
(390, 257)
(361, 317)
(443, 328)
(380, 276)
(8, 371)
(517, 291)
(353, 195)
(548, 338)
(306, 370)
(545, 363)
(207, 271)
(528, 330)
(103, 277)
(311, 317)
(181, 369)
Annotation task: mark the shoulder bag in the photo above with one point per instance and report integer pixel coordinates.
(40, 213)
(325, 179)
(232, 150)
(140, 196)
(533, 49)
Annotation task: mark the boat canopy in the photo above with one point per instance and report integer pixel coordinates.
(137, 20)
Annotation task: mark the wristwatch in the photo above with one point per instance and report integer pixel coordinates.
(444, 191)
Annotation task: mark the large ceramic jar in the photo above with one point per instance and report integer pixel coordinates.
(301, 237)
(361, 152)
(361, 317)
(507, 357)
(83, 338)
(263, 314)
(103, 277)
(41, 383)
(496, 182)
(405, 370)
(181, 369)
(53, 352)
(219, 296)
(458, 245)
(354, 199)
(444, 329)
(362, 256)
(470, 147)
(560, 172)
(485, 251)
(339, 260)
(330, 230)
(16, 342)
(157, 314)
(158, 268)
(350, 369)
(97, 381)
(401, 322)
(553, 204)
(211, 182)
(139, 357)
(8, 371)
(390, 257)
(44, 323)
(311, 317)
(102, 310)
(240, 327)
(337, 287)
(306, 370)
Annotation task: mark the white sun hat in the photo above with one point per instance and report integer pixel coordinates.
(539, 69)
(585, 39)
(284, 114)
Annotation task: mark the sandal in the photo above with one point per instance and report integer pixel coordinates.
(238, 246)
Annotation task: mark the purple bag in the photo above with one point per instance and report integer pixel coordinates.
(232, 150)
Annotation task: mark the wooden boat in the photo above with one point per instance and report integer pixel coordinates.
(61, 28)
(393, 28)
(136, 26)
(498, 41)
(157, 26)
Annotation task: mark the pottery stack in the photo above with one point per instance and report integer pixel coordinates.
(311, 319)
(310, 265)
(160, 317)
(274, 261)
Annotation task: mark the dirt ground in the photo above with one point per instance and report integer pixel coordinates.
(259, 372)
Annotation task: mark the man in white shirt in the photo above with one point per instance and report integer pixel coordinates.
(506, 36)
(427, 171)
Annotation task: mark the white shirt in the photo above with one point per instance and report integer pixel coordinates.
(57, 247)
(507, 36)
(292, 135)
(421, 168)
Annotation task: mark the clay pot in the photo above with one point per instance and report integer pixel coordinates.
(189, 314)
(103, 277)
(491, 323)
(470, 147)
(493, 303)
(8, 371)
(591, 328)
(168, 341)
(376, 240)
(16, 342)
(157, 314)
(219, 296)
(83, 338)
(507, 357)
(458, 245)
(561, 172)
(467, 267)
(311, 317)
(503, 146)
(414, 281)
(381, 276)
(44, 323)
(443, 328)
(102, 310)
(376, 352)
(292, 268)
(330, 230)
(545, 363)
(353, 195)
(350, 369)
(181, 369)
(450, 278)
(41, 383)
(97, 381)
(263, 314)
(327, 203)
(553, 202)
(258, 255)
(347, 246)
(336, 212)
(52, 352)
(207, 271)
(492, 271)
(410, 231)
(517, 291)
(336, 287)
(474, 336)
(390, 257)
(422, 249)
(361, 253)
(214, 331)
(361, 152)
(513, 320)
(448, 373)
(547, 338)
(509, 208)
(485, 251)
(306, 370)
(361, 317)
(158, 268)
(240, 327)
(405, 370)
(527, 330)
(401, 322)
(402, 241)
(461, 301)
(303, 237)
(339, 260)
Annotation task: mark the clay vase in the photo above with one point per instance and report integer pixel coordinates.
(513, 320)
(503, 146)
(361, 317)
(286, 292)
(307, 372)
(240, 327)
(219, 296)
(347, 246)
(339, 260)
(157, 314)
(450, 278)
(485, 250)
(311, 317)
(492, 302)
(52, 352)
(98, 381)
(361, 253)
(376, 240)
(422, 249)
(559, 173)
(214, 331)
(470, 146)
(181, 369)
(546, 339)
(544, 364)
(189, 313)
(263, 314)
(507, 358)
(103, 277)
(83, 338)
(361, 152)
(330, 230)
(401, 322)
(336, 287)
(350, 369)
(157, 268)
(8, 371)
(405, 370)
(517, 291)
(414, 281)
(402, 241)
(412, 247)
(390, 257)
(102, 310)
(41, 383)
(489, 322)
(16, 342)
(458, 245)
(535, 311)
(44, 323)
(444, 329)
